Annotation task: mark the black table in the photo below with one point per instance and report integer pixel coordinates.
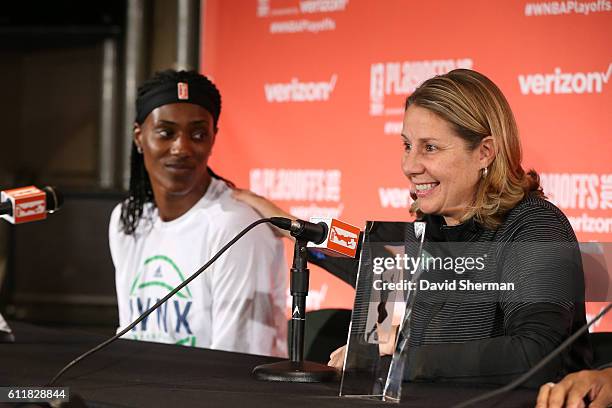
(140, 374)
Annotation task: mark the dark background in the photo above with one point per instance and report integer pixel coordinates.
(59, 271)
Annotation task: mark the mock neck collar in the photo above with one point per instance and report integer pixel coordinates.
(438, 231)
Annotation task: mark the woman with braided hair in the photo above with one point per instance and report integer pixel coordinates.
(177, 215)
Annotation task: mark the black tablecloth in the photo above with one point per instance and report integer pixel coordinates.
(140, 374)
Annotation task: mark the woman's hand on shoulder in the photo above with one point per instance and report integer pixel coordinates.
(264, 207)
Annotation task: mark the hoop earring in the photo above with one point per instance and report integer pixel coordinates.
(485, 171)
(139, 149)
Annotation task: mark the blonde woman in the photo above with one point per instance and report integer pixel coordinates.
(462, 156)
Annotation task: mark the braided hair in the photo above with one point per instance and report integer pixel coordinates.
(140, 191)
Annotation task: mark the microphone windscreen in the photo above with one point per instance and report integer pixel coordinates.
(55, 199)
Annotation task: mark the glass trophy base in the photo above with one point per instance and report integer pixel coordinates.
(289, 371)
(6, 337)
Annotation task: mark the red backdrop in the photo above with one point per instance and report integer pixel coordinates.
(313, 93)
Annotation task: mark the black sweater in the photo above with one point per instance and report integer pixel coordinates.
(465, 336)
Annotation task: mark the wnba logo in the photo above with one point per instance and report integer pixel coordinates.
(30, 208)
(402, 78)
(263, 8)
(182, 90)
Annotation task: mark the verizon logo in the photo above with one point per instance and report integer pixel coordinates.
(564, 82)
(296, 91)
(322, 6)
(394, 197)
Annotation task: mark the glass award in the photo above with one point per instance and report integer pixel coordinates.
(385, 291)
(407, 287)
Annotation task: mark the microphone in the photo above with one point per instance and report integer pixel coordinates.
(328, 235)
(302, 230)
(29, 203)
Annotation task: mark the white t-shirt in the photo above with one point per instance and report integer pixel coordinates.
(237, 304)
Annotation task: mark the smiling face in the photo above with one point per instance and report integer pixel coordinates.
(176, 142)
(443, 171)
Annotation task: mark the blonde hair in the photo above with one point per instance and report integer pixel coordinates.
(476, 108)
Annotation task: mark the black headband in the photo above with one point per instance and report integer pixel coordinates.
(176, 92)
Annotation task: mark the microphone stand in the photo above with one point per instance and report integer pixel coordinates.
(296, 369)
(6, 334)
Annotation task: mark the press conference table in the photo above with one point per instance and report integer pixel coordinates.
(140, 374)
